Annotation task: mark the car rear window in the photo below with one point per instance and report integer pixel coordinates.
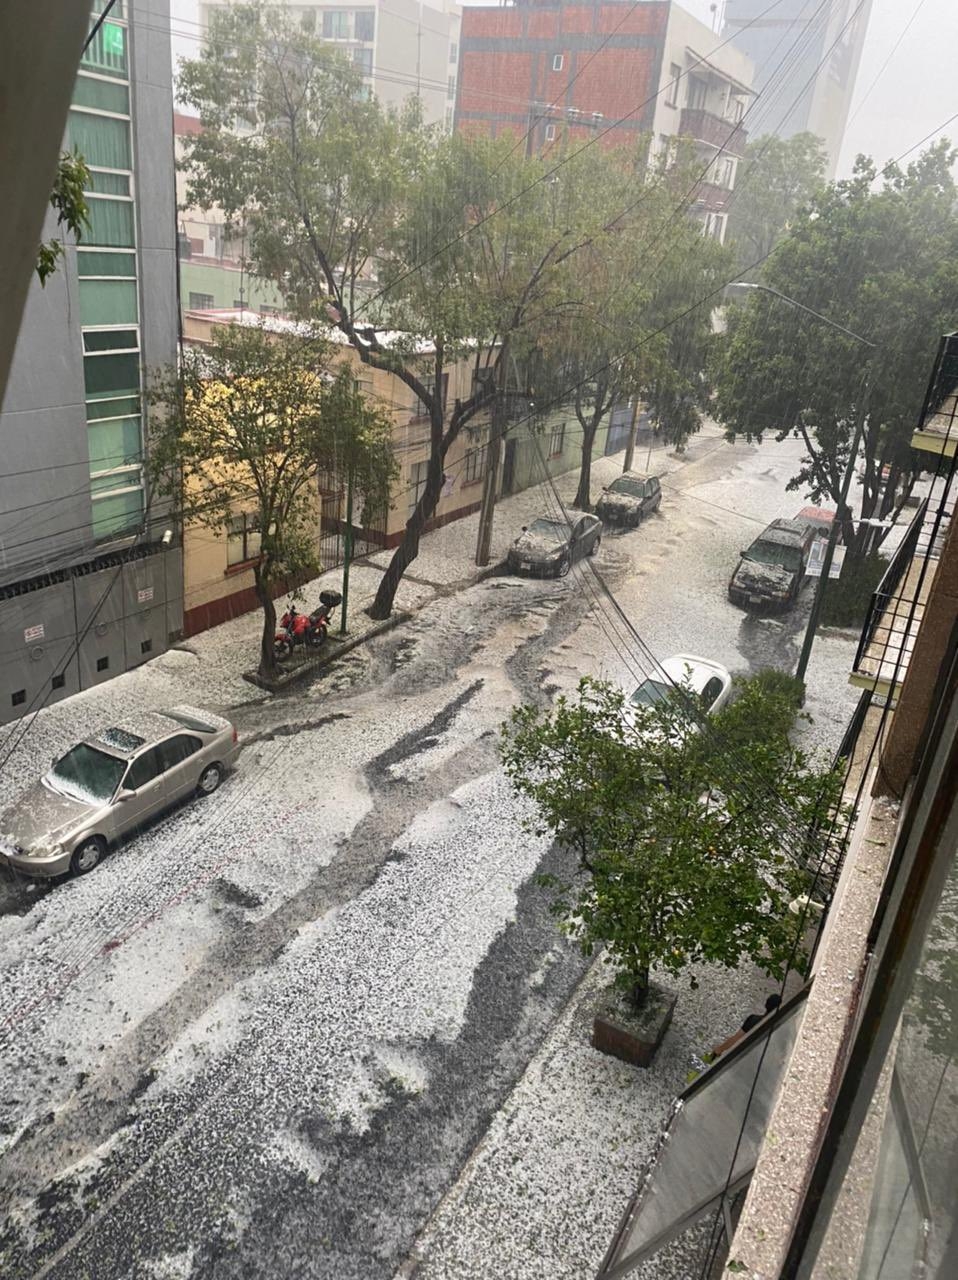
(87, 774)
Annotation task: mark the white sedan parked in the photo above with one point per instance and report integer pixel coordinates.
(708, 680)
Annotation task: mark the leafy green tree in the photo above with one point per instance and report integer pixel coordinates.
(776, 178)
(470, 253)
(881, 260)
(246, 425)
(72, 211)
(679, 835)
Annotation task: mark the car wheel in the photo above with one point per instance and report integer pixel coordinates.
(593, 550)
(210, 779)
(87, 855)
(563, 568)
(636, 519)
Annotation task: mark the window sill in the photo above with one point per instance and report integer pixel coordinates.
(471, 484)
(232, 569)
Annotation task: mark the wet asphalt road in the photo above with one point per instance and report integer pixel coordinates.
(296, 1062)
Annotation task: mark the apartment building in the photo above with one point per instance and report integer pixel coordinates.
(88, 585)
(806, 60)
(404, 48)
(558, 72)
(825, 1143)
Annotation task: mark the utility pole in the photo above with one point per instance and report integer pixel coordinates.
(347, 547)
(630, 447)
(490, 483)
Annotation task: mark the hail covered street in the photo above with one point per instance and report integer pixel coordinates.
(263, 1038)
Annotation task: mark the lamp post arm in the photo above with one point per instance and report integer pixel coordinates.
(800, 306)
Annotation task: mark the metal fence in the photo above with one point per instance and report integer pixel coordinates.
(332, 530)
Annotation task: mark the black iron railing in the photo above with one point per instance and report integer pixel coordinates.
(884, 593)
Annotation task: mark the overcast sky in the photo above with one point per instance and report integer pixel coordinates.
(912, 96)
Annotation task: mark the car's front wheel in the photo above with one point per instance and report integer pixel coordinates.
(563, 568)
(210, 779)
(593, 550)
(87, 855)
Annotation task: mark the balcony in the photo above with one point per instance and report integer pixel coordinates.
(714, 131)
(898, 604)
(939, 430)
(709, 198)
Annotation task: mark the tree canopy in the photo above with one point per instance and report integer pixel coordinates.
(878, 254)
(686, 840)
(245, 427)
(776, 178)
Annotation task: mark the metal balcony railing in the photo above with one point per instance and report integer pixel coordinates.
(715, 131)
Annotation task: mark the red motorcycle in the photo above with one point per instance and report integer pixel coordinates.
(308, 630)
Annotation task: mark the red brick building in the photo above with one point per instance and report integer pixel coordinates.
(548, 70)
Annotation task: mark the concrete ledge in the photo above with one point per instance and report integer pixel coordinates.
(331, 651)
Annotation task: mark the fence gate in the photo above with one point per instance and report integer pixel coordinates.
(332, 530)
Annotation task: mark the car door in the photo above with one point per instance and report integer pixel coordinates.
(182, 765)
(655, 492)
(144, 782)
(579, 534)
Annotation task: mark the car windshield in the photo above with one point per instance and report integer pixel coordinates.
(650, 692)
(789, 558)
(631, 488)
(549, 530)
(87, 774)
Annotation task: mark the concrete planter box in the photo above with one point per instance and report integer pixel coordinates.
(628, 1033)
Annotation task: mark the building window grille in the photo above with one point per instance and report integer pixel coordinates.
(244, 541)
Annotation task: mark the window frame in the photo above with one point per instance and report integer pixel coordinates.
(250, 529)
(127, 778)
(558, 61)
(557, 441)
(676, 75)
(475, 463)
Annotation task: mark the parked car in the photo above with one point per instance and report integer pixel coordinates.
(107, 785)
(629, 499)
(819, 519)
(551, 546)
(771, 570)
(709, 681)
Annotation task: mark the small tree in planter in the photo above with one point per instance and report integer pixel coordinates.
(245, 426)
(688, 851)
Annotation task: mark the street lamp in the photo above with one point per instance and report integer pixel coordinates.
(849, 470)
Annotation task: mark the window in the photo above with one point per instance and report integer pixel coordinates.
(102, 141)
(19, 698)
(421, 409)
(107, 52)
(143, 770)
(58, 681)
(672, 91)
(109, 184)
(111, 223)
(451, 91)
(418, 474)
(244, 541)
(102, 95)
(363, 58)
(110, 375)
(698, 93)
(711, 691)
(365, 25)
(308, 20)
(736, 109)
(550, 133)
(557, 440)
(102, 664)
(112, 408)
(476, 464)
(108, 302)
(558, 62)
(93, 263)
(453, 51)
(201, 301)
(117, 513)
(110, 340)
(146, 646)
(335, 25)
(175, 750)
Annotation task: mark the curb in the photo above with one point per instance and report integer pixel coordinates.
(320, 664)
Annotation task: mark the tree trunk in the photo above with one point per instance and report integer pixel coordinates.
(267, 653)
(639, 992)
(582, 499)
(408, 549)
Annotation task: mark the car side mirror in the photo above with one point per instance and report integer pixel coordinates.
(525, 528)
(125, 794)
(744, 553)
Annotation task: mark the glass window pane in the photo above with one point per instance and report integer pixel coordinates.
(117, 10)
(101, 141)
(108, 302)
(109, 184)
(109, 484)
(111, 223)
(111, 444)
(117, 514)
(105, 408)
(101, 94)
(111, 375)
(107, 51)
(111, 340)
(91, 263)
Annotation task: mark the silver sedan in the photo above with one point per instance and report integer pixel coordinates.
(108, 785)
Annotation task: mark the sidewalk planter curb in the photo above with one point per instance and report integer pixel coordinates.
(336, 650)
(633, 1035)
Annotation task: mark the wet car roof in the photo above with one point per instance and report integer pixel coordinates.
(785, 532)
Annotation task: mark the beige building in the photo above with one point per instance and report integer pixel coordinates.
(404, 48)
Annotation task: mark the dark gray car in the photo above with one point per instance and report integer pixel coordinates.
(108, 785)
(550, 546)
(629, 499)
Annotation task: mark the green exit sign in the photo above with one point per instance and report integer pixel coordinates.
(114, 38)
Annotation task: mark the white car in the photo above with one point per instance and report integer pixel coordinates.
(709, 681)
